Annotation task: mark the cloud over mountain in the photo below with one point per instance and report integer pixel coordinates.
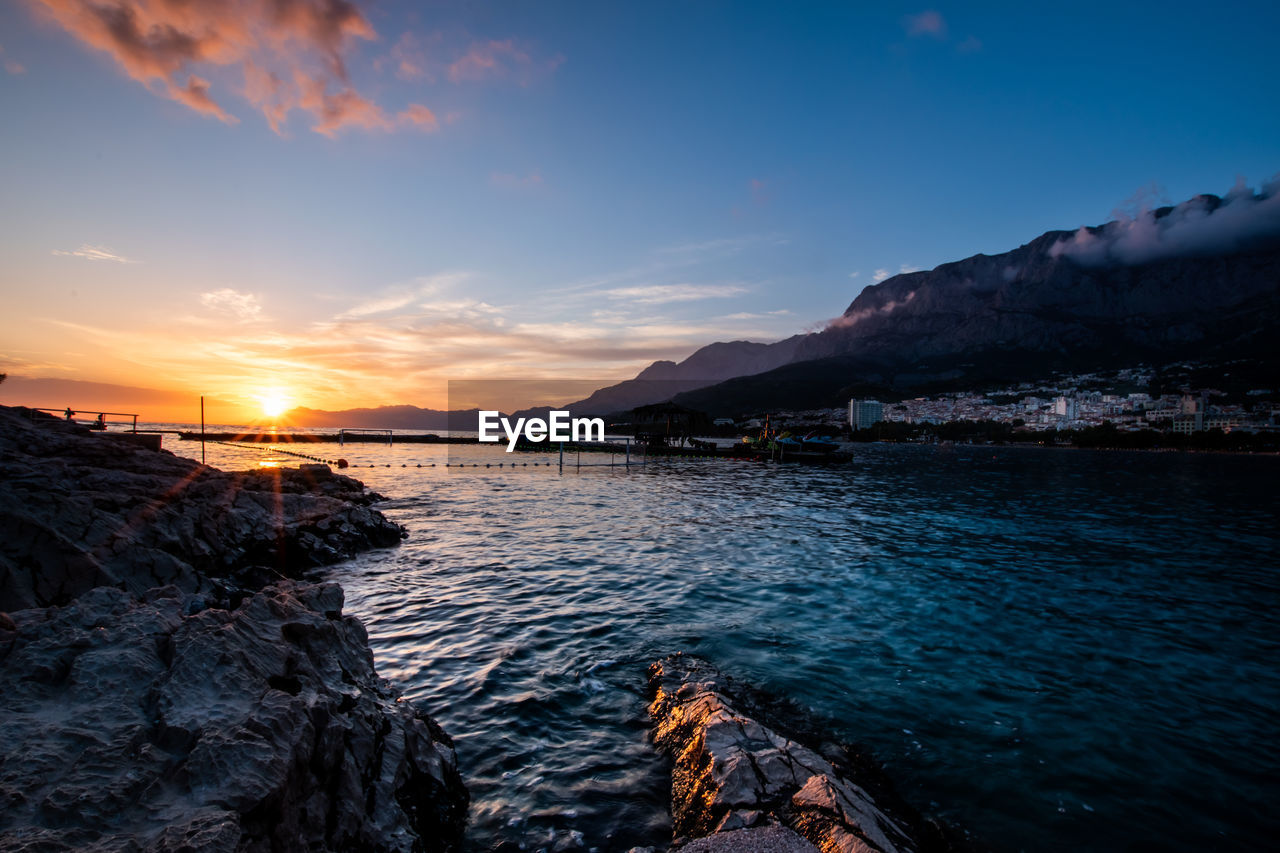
(1203, 225)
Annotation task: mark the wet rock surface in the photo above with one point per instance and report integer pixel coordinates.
(165, 687)
(738, 782)
(80, 509)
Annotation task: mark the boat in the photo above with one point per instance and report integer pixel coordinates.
(785, 447)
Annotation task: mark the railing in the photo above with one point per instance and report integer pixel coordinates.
(99, 422)
(343, 433)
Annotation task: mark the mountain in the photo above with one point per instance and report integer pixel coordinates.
(664, 379)
(1200, 280)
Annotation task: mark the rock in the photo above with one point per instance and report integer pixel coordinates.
(764, 839)
(166, 688)
(79, 511)
(134, 724)
(733, 775)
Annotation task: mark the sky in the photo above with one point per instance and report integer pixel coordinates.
(339, 204)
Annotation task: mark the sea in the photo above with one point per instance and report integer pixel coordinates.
(1053, 649)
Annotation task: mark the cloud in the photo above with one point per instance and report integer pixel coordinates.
(13, 66)
(969, 45)
(926, 23)
(242, 306)
(410, 59)
(658, 294)
(505, 59)
(760, 193)
(854, 317)
(417, 115)
(903, 269)
(756, 315)
(290, 53)
(1201, 226)
(95, 253)
(855, 273)
(403, 342)
(880, 275)
(403, 295)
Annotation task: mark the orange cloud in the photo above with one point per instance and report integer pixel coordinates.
(419, 116)
(290, 53)
(500, 59)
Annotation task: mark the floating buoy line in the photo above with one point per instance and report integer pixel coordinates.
(342, 463)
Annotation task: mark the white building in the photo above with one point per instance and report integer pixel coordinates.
(864, 413)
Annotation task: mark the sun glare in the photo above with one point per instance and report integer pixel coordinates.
(274, 404)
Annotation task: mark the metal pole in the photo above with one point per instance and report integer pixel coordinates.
(135, 421)
(628, 451)
(562, 456)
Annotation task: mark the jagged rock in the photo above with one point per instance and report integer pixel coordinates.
(733, 774)
(157, 724)
(178, 695)
(78, 510)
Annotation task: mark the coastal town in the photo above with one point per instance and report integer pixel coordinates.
(1076, 402)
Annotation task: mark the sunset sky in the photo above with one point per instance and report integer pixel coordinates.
(342, 204)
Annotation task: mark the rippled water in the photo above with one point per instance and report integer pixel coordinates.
(1057, 649)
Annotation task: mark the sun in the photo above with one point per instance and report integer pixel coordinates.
(274, 403)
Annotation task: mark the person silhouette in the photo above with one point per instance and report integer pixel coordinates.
(69, 413)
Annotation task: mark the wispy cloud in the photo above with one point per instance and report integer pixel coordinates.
(760, 193)
(969, 45)
(291, 54)
(658, 294)
(855, 317)
(410, 60)
(403, 295)
(500, 59)
(722, 245)
(926, 23)
(880, 275)
(244, 307)
(756, 315)
(402, 343)
(94, 253)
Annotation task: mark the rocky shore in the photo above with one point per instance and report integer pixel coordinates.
(170, 682)
(167, 683)
(743, 781)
